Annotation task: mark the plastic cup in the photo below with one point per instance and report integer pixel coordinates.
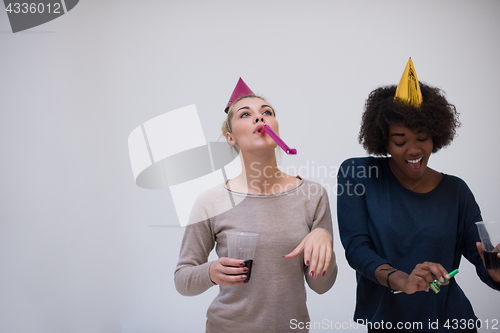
(241, 245)
(489, 232)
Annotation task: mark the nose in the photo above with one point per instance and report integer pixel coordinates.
(414, 148)
(259, 118)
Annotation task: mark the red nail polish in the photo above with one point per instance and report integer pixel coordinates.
(307, 262)
(323, 273)
(246, 281)
(243, 277)
(311, 273)
(245, 269)
(242, 263)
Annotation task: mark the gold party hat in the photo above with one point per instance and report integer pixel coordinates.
(408, 88)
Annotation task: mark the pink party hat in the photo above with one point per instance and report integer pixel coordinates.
(240, 90)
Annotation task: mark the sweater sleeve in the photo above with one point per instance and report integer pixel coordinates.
(323, 219)
(192, 275)
(352, 216)
(472, 214)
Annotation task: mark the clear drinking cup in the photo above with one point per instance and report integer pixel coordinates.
(489, 232)
(241, 245)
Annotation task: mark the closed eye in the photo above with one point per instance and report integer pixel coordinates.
(422, 140)
(400, 144)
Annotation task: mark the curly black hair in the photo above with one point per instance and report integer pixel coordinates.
(434, 116)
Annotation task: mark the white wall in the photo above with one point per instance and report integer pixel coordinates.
(83, 249)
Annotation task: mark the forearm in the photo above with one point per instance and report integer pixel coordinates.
(391, 277)
(192, 276)
(353, 220)
(193, 280)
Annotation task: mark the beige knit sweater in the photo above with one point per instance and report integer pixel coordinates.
(276, 293)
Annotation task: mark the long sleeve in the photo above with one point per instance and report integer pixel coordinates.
(192, 275)
(352, 215)
(323, 219)
(471, 236)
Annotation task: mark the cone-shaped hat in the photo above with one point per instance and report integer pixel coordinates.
(240, 90)
(408, 88)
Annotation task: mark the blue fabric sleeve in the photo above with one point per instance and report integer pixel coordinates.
(471, 236)
(353, 218)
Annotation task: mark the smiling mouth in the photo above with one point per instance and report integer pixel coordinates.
(415, 164)
(415, 161)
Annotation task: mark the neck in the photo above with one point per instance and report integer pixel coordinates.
(403, 180)
(259, 173)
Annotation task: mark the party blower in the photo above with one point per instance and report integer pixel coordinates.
(436, 285)
(281, 143)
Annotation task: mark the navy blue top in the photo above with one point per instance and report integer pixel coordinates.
(381, 221)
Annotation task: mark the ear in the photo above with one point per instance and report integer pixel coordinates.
(230, 139)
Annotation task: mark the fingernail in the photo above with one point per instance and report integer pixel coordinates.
(316, 277)
(323, 274)
(242, 263)
(447, 276)
(243, 277)
(245, 269)
(311, 273)
(246, 281)
(307, 262)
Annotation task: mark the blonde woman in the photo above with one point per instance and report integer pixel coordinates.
(293, 220)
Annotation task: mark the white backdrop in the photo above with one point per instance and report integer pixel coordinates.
(83, 249)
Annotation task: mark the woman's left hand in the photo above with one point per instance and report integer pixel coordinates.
(494, 273)
(317, 248)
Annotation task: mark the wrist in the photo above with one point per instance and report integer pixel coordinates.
(388, 281)
(399, 281)
(327, 232)
(395, 279)
(210, 273)
(495, 279)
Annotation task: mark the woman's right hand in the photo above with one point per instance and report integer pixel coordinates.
(228, 271)
(422, 275)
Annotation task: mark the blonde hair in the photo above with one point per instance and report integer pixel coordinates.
(226, 125)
